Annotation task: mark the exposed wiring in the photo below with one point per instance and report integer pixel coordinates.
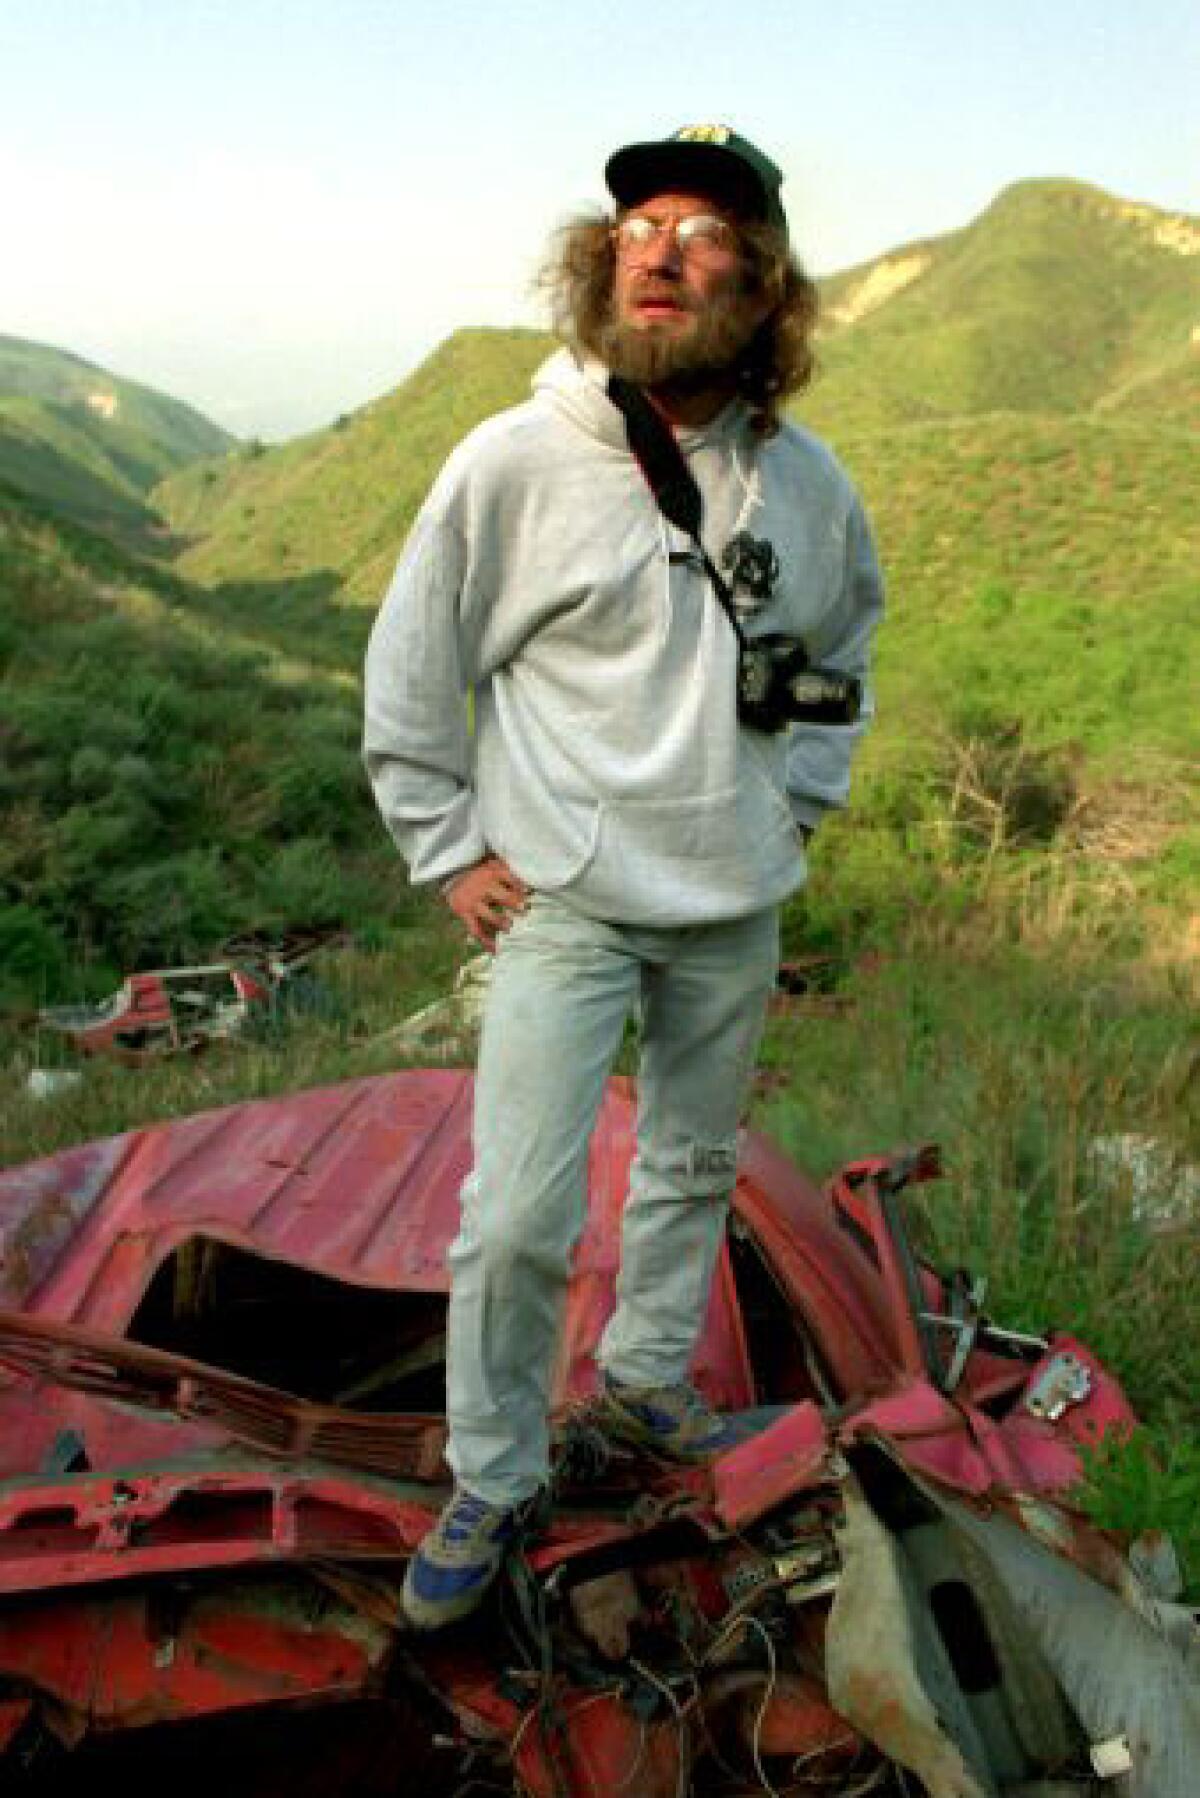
(874, 1778)
(729, 1632)
(518, 1735)
(710, 1742)
(768, 1694)
(626, 1780)
(685, 1703)
(816, 1754)
(680, 1711)
(475, 1785)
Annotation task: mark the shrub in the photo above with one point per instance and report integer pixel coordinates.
(323, 793)
(33, 956)
(176, 908)
(303, 883)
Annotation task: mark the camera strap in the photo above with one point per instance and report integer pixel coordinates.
(674, 486)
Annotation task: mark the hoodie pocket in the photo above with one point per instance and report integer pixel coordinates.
(551, 843)
(687, 860)
(705, 829)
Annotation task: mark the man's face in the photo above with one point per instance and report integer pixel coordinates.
(680, 300)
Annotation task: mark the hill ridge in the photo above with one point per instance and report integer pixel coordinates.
(92, 442)
(1046, 304)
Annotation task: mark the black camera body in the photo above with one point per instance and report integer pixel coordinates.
(777, 686)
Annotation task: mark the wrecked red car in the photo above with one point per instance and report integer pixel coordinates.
(172, 1011)
(221, 1390)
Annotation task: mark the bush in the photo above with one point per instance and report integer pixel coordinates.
(302, 883)
(33, 956)
(173, 909)
(322, 793)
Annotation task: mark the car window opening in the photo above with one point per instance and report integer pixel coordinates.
(318, 1338)
(783, 1355)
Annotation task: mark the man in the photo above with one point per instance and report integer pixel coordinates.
(609, 828)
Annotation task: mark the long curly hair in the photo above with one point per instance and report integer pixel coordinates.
(576, 279)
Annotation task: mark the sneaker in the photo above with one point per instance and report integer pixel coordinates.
(457, 1561)
(674, 1420)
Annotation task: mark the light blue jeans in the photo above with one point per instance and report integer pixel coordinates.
(562, 988)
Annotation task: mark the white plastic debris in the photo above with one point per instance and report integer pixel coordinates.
(51, 1083)
(1162, 1190)
(449, 1026)
(1112, 1758)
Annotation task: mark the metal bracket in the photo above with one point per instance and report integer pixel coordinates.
(1064, 1382)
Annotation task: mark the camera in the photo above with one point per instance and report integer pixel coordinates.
(778, 686)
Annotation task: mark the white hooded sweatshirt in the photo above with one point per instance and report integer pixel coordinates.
(604, 760)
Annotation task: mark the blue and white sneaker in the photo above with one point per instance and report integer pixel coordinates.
(458, 1560)
(674, 1421)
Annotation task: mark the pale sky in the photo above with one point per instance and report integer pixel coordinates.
(274, 208)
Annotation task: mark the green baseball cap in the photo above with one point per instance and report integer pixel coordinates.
(708, 159)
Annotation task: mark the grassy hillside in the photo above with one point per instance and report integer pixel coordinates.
(1042, 575)
(172, 768)
(53, 455)
(1037, 675)
(1047, 568)
(1037, 736)
(1168, 389)
(1058, 298)
(343, 499)
(182, 760)
(1036, 678)
(88, 443)
(177, 432)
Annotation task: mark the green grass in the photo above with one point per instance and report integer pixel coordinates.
(1151, 1485)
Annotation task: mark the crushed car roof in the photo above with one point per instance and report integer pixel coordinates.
(357, 1181)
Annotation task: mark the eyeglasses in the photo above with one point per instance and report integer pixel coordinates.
(700, 235)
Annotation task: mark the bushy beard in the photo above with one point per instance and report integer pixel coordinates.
(655, 355)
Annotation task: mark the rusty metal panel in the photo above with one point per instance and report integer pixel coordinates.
(90, 1528)
(358, 1181)
(42, 1206)
(833, 1288)
(113, 1661)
